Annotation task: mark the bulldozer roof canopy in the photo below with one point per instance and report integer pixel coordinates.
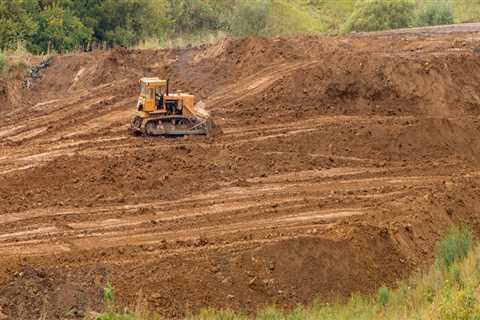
(153, 82)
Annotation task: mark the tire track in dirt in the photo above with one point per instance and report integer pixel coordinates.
(285, 194)
(336, 172)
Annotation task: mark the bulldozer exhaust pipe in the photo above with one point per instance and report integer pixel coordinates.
(168, 87)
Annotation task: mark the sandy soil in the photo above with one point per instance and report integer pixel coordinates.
(340, 164)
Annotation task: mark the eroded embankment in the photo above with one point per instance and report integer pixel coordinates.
(341, 162)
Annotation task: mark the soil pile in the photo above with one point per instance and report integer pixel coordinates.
(340, 163)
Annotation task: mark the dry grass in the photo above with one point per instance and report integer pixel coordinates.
(184, 41)
(14, 63)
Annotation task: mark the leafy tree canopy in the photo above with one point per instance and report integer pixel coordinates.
(64, 25)
(374, 15)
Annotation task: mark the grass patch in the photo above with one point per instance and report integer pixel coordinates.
(447, 291)
(454, 247)
(383, 296)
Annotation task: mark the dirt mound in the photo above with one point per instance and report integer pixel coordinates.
(340, 163)
(36, 293)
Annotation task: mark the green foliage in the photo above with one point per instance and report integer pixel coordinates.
(454, 247)
(466, 10)
(290, 18)
(59, 30)
(332, 14)
(383, 296)
(17, 22)
(435, 12)
(374, 15)
(126, 22)
(65, 25)
(192, 16)
(250, 17)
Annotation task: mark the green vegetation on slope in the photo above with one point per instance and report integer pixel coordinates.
(448, 291)
(373, 15)
(64, 25)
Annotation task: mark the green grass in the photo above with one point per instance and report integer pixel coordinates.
(447, 291)
(454, 247)
(466, 10)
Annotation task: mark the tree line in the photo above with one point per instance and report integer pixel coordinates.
(64, 25)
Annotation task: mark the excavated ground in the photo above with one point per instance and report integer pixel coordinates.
(341, 163)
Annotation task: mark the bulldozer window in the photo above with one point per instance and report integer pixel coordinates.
(159, 98)
(142, 89)
(150, 93)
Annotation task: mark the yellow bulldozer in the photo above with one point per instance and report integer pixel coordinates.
(161, 113)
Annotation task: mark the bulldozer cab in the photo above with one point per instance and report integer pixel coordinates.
(152, 92)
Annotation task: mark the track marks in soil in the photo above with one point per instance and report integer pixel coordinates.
(330, 167)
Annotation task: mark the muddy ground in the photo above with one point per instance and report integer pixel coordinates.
(341, 163)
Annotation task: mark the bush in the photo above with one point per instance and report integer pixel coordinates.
(249, 17)
(374, 15)
(435, 12)
(454, 247)
(193, 16)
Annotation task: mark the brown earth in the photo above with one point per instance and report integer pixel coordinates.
(341, 163)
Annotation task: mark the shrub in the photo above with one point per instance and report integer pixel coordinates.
(454, 247)
(435, 12)
(383, 296)
(373, 15)
(249, 17)
(192, 16)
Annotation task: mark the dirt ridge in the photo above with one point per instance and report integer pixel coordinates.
(341, 162)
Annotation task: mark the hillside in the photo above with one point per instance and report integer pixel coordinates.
(340, 164)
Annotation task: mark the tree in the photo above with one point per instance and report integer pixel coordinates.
(126, 22)
(373, 15)
(59, 30)
(16, 22)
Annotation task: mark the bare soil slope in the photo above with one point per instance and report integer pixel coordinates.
(341, 162)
